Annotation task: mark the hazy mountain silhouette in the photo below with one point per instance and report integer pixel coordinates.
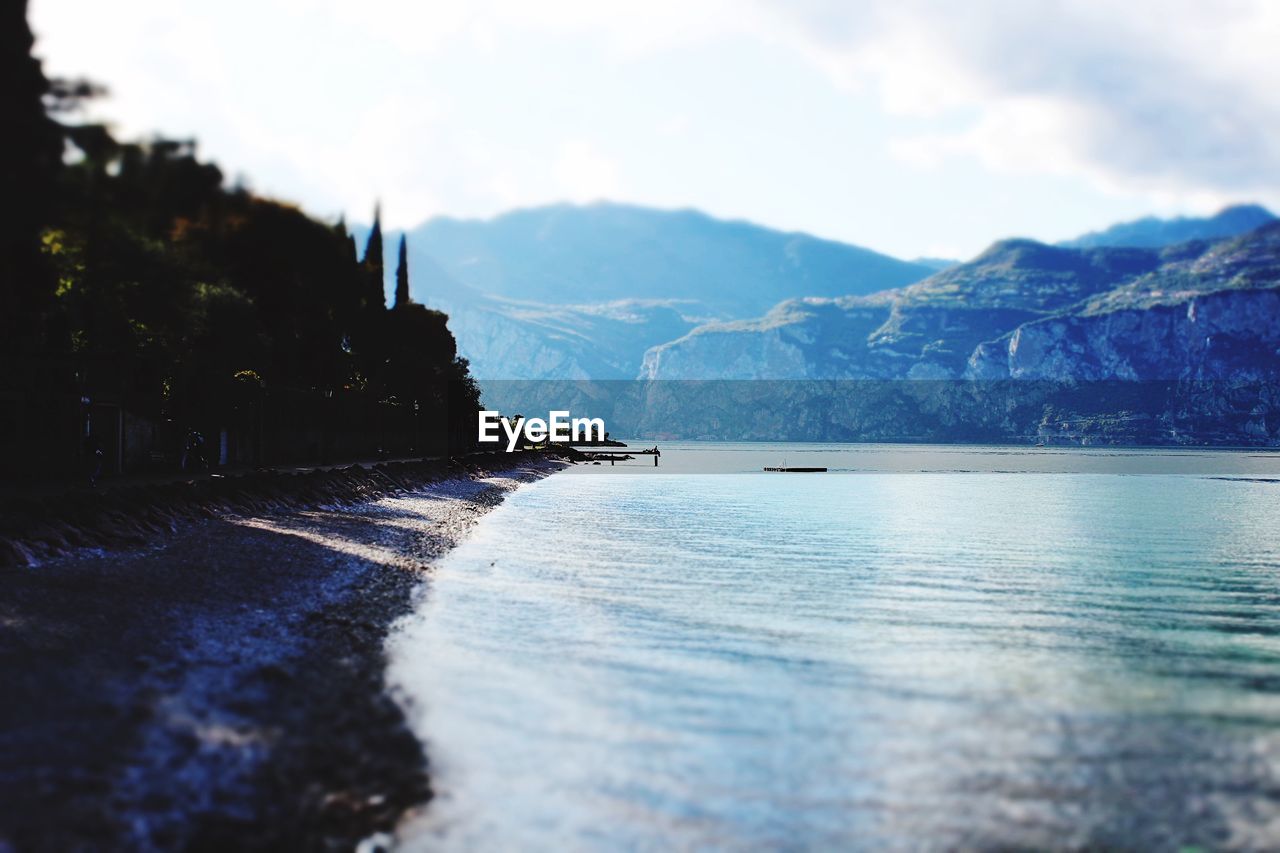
(1151, 232)
(570, 254)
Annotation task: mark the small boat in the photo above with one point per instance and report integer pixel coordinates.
(798, 470)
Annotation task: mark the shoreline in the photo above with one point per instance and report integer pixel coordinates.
(224, 685)
(36, 527)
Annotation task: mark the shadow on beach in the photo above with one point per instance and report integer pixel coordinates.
(223, 686)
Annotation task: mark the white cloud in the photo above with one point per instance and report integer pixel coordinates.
(1168, 99)
(584, 174)
(428, 104)
(631, 29)
(673, 126)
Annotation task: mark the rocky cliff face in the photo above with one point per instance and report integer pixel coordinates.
(1208, 315)
(513, 340)
(1222, 336)
(799, 339)
(925, 331)
(1193, 329)
(1020, 310)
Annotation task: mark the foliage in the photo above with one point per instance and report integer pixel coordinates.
(138, 268)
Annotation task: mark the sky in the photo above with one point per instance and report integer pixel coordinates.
(913, 128)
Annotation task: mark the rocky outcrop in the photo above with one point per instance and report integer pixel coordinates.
(799, 339)
(925, 331)
(1212, 315)
(511, 340)
(1194, 328)
(1230, 335)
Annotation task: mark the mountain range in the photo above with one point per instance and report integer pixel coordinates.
(1020, 309)
(618, 292)
(1151, 232)
(1114, 345)
(571, 255)
(582, 292)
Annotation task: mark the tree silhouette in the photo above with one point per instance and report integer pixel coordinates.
(402, 276)
(375, 295)
(30, 158)
(142, 297)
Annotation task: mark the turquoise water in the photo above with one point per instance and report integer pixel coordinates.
(891, 659)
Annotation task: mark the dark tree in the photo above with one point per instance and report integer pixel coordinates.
(30, 158)
(141, 297)
(402, 276)
(375, 295)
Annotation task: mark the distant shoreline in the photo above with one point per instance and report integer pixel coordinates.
(1018, 445)
(223, 684)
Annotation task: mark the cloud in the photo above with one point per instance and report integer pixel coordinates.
(1171, 98)
(584, 174)
(629, 29)
(469, 108)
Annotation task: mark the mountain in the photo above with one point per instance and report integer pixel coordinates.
(1026, 342)
(1150, 232)
(600, 253)
(926, 330)
(614, 292)
(517, 339)
(514, 340)
(1004, 305)
(582, 292)
(1212, 315)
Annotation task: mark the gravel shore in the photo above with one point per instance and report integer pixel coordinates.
(222, 687)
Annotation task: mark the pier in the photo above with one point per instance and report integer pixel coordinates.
(621, 455)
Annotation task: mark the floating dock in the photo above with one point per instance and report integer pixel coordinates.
(798, 470)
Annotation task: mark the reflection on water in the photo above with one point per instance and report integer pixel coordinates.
(891, 659)
(715, 457)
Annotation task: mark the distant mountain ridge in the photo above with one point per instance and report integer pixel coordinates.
(1178, 345)
(574, 254)
(1152, 232)
(961, 322)
(509, 338)
(1211, 314)
(582, 292)
(925, 330)
(612, 291)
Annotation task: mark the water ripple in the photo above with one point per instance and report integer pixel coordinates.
(884, 660)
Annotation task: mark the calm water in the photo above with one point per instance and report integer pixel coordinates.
(928, 655)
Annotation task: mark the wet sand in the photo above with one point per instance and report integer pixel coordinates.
(223, 686)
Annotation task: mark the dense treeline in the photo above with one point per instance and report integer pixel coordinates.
(147, 306)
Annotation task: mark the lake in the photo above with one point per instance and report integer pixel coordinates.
(929, 647)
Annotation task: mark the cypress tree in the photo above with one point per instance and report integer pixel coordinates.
(375, 295)
(402, 276)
